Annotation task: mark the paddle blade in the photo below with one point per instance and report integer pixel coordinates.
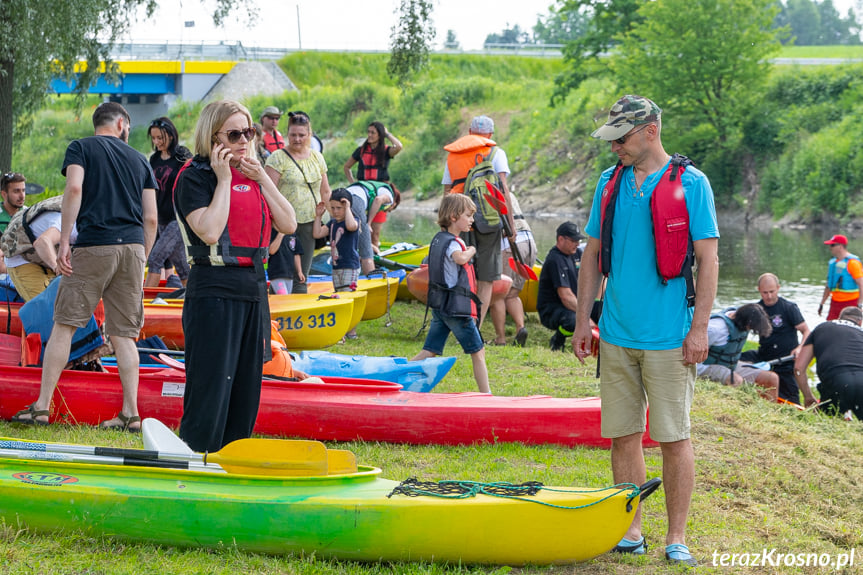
(499, 206)
(272, 457)
(495, 191)
(522, 270)
(341, 462)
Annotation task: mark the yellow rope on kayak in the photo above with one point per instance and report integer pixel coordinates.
(457, 489)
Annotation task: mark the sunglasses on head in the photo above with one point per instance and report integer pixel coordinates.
(622, 140)
(9, 176)
(234, 135)
(298, 118)
(158, 124)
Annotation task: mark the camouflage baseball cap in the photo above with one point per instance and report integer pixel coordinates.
(628, 112)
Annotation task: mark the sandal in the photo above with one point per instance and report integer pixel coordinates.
(678, 554)
(127, 421)
(33, 413)
(631, 547)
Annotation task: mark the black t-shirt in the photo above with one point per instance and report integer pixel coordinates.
(838, 348)
(559, 270)
(166, 174)
(281, 264)
(195, 187)
(784, 315)
(115, 175)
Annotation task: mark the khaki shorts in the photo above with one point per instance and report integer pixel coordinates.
(630, 378)
(30, 279)
(487, 263)
(528, 255)
(114, 274)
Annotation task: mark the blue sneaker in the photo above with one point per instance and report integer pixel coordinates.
(678, 554)
(631, 547)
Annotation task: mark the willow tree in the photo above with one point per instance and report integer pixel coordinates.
(411, 38)
(45, 39)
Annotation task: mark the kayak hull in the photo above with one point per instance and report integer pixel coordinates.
(340, 410)
(379, 292)
(346, 517)
(418, 284)
(419, 376)
(304, 321)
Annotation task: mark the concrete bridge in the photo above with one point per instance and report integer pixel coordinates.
(153, 76)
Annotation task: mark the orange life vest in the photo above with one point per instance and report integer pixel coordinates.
(280, 365)
(463, 154)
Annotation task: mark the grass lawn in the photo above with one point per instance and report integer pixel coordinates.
(766, 477)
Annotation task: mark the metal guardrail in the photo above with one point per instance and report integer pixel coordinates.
(239, 51)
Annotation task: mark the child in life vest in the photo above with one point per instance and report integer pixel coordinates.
(343, 231)
(452, 288)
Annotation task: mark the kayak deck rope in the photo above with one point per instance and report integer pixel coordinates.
(459, 489)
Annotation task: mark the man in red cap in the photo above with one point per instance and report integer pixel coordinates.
(844, 278)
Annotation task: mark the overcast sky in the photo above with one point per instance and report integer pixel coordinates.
(335, 24)
(341, 24)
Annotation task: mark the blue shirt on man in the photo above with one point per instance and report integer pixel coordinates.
(640, 312)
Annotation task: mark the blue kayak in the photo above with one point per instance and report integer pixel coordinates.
(420, 376)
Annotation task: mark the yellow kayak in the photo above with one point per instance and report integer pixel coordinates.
(305, 321)
(359, 298)
(379, 292)
(529, 292)
(299, 497)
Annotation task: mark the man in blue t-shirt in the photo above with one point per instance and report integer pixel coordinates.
(652, 337)
(110, 197)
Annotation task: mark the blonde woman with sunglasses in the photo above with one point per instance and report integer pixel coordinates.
(227, 206)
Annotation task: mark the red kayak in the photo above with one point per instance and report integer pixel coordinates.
(340, 409)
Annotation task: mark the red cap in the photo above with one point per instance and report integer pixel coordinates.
(837, 239)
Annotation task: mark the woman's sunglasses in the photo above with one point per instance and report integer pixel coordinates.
(234, 135)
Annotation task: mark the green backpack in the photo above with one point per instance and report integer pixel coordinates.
(486, 219)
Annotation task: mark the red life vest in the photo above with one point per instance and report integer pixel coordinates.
(245, 238)
(674, 252)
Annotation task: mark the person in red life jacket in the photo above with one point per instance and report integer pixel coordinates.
(373, 159)
(167, 159)
(273, 140)
(652, 214)
(844, 279)
(837, 347)
(462, 157)
(227, 206)
(452, 288)
(110, 197)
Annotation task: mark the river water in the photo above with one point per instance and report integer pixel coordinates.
(797, 256)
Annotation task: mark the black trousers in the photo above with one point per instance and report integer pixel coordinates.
(224, 367)
(845, 391)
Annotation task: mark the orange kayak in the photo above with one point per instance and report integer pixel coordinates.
(418, 284)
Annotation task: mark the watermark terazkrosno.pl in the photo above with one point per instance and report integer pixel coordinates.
(775, 558)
